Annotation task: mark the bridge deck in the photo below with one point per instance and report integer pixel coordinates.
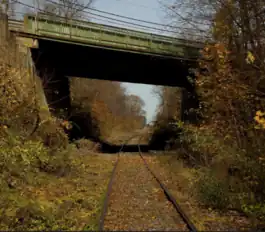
(88, 33)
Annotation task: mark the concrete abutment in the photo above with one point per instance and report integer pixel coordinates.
(55, 85)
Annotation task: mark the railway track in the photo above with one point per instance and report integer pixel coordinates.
(180, 214)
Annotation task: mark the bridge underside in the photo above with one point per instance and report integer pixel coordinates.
(56, 61)
(99, 63)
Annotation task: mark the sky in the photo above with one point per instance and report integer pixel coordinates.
(149, 10)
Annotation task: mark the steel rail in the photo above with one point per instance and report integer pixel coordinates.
(109, 188)
(169, 196)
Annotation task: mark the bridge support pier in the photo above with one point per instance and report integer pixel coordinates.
(44, 111)
(54, 83)
(23, 47)
(57, 91)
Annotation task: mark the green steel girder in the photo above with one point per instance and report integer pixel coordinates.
(88, 33)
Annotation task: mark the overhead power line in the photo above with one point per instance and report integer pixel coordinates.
(124, 17)
(179, 15)
(91, 17)
(105, 17)
(99, 19)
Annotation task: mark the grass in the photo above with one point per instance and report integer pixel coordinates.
(194, 189)
(45, 182)
(41, 200)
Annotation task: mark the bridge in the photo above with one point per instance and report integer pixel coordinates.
(108, 37)
(84, 49)
(91, 50)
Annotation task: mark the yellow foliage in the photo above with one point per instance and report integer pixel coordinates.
(259, 118)
(18, 100)
(250, 58)
(67, 125)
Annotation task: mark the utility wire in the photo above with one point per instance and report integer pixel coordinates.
(97, 18)
(101, 16)
(135, 24)
(124, 17)
(175, 12)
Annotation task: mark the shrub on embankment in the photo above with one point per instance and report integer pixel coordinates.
(20, 106)
(36, 157)
(30, 149)
(227, 177)
(164, 134)
(227, 148)
(46, 189)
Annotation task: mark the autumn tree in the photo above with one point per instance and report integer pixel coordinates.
(230, 84)
(235, 63)
(192, 17)
(67, 9)
(239, 32)
(169, 102)
(109, 105)
(135, 105)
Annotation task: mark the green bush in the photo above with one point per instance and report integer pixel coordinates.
(255, 210)
(165, 135)
(212, 192)
(52, 134)
(22, 154)
(85, 143)
(229, 176)
(18, 157)
(204, 146)
(58, 163)
(24, 164)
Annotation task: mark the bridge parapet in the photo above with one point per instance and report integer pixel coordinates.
(88, 33)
